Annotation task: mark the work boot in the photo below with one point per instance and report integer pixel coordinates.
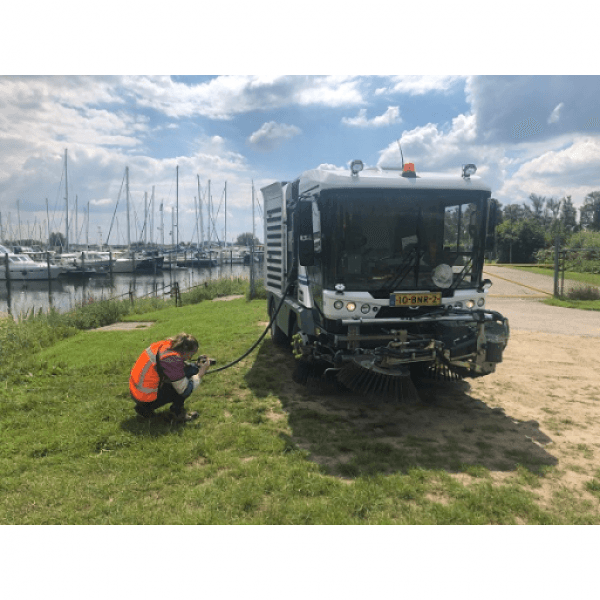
(183, 416)
(144, 414)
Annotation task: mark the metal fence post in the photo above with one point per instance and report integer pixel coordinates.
(556, 249)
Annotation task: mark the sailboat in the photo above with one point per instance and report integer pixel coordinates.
(130, 261)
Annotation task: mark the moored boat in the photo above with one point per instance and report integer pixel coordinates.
(22, 267)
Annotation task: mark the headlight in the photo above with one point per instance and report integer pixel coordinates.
(365, 308)
(458, 304)
(351, 306)
(481, 302)
(442, 276)
(338, 304)
(470, 303)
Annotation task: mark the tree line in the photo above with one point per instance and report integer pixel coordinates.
(524, 229)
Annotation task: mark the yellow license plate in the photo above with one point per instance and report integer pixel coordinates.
(412, 299)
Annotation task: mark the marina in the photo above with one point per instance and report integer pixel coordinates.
(62, 273)
(18, 297)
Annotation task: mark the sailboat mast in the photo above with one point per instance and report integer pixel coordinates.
(19, 219)
(200, 211)
(172, 226)
(127, 195)
(209, 216)
(152, 217)
(66, 203)
(177, 202)
(145, 217)
(87, 227)
(162, 223)
(76, 222)
(225, 234)
(48, 219)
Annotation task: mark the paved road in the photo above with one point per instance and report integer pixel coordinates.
(519, 301)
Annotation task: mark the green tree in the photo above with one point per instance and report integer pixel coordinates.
(568, 215)
(590, 212)
(57, 239)
(538, 207)
(245, 239)
(519, 240)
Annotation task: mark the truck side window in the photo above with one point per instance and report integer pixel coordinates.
(459, 227)
(316, 227)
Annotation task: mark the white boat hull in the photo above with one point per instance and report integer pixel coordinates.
(30, 273)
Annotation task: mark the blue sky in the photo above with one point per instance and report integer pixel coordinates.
(528, 133)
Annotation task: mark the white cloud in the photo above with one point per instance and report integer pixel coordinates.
(420, 84)
(555, 115)
(103, 202)
(225, 96)
(568, 171)
(390, 117)
(433, 148)
(272, 134)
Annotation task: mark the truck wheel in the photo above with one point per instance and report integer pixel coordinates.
(279, 338)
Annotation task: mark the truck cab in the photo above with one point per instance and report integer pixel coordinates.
(384, 264)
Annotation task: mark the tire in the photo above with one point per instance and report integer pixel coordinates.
(279, 338)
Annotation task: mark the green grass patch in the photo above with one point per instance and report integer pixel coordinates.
(263, 451)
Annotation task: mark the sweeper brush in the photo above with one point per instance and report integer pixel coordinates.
(364, 376)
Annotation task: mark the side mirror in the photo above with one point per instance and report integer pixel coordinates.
(486, 284)
(306, 244)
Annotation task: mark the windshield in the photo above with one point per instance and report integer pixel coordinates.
(386, 240)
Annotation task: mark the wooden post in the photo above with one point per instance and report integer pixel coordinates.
(8, 284)
(49, 279)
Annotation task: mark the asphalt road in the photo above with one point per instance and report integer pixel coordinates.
(517, 295)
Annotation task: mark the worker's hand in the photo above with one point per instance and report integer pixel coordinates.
(203, 366)
(195, 379)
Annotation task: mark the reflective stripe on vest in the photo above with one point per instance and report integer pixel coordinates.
(144, 379)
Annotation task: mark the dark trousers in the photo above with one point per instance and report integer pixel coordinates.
(166, 395)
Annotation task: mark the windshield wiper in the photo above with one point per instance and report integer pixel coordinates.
(404, 269)
(463, 273)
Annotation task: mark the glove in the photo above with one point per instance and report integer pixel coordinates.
(195, 379)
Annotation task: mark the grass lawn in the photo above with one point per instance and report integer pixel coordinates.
(74, 452)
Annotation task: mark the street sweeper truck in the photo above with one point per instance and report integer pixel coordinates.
(374, 276)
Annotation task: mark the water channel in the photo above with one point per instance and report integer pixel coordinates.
(20, 297)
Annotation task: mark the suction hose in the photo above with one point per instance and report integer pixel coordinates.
(258, 341)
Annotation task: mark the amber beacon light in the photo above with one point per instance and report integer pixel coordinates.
(408, 170)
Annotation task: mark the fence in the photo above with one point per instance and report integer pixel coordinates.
(563, 259)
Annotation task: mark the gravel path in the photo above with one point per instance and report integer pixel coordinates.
(522, 283)
(519, 302)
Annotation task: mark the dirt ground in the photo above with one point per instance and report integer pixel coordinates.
(540, 408)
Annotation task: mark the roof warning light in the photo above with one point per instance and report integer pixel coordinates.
(408, 170)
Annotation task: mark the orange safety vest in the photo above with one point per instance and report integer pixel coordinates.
(144, 378)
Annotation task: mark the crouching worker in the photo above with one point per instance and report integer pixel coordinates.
(160, 376)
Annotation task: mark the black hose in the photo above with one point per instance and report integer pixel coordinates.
(237, 360)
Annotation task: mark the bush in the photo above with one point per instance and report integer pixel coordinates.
(587, 292)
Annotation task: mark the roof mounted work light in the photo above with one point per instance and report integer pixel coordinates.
(356, 166)
(468, 170)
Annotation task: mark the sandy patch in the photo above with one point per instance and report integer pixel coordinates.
(539, 410)
(227, 298)
(125, 326)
